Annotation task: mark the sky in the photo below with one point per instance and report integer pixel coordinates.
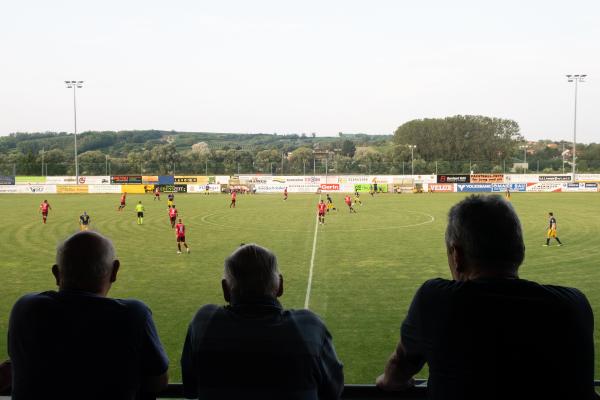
(298, 66)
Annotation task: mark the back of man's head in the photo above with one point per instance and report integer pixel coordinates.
(251, 271)
(85, 261)
(488, 231)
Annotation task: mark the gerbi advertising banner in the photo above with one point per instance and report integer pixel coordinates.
(487, 178)
(94, 180)
(453, 178)
(7, 180)
(441, 187)
(473, 187)
(514, 187)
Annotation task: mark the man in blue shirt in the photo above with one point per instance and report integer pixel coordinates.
(253, 348)
(78, 343)
(487, 334)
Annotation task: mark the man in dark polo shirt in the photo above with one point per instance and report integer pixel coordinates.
(79, 344)
(487, 334)
(253, 348)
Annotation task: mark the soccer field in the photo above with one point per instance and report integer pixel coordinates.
(365, 266)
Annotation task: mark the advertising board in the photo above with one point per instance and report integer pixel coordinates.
(521, 178)
(7, 180)
(366, 187)
(125, 179)
(104, 188)
(94, 180)
(330, 186)
(441, 187)
(473, 187)
(588, 177)
(212, 188)
(453, 178)
(487, 178)
(61, 180)
(72, 189)
(151, 179)
(166, 180)
(514, 187)
(544, 187)
(190, 179)
(172, 188)
(272, 188)
(34, 180)
(135, 189)
(580, 187)
(30, 189)
(554, 178)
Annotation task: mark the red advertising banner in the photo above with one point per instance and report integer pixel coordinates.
(441, 187)
(330, 186)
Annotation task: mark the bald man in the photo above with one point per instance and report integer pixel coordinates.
(77, 342)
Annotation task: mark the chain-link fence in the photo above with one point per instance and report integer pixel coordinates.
(304, 167)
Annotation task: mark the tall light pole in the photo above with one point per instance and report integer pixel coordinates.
(576, 79)
(75, 85)
(524, 147)
(412, 148)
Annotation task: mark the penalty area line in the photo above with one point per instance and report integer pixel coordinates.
(312, 262)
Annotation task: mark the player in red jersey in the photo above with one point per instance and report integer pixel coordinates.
(173, 215)
(156, 194)
(348, 202)
(180, 234)
(322, 209)
(123, 198)
(44, 208)
(285, 195)
(233, 197)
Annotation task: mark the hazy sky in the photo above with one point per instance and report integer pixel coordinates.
(298, 66)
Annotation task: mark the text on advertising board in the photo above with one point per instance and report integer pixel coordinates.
(545, 178)
(453, 178)
(441, 187)
(126, 179)
(330, 186)
(487, 178)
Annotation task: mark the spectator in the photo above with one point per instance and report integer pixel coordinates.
(78, 343)
(487, 334)
(253, 348)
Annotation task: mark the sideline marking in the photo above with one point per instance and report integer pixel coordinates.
(312, 261)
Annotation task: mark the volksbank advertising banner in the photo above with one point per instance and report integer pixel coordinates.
(474, 187)
(7, 180)
(514, 187)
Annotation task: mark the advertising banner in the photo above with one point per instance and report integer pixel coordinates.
(72, 189)
(190, 179)
(7, 180)
(94, 180)
(330, 186)
(126, 180)
(149, 179)
(441, 187)
(453, 178)
(61, 180)
(544, 187)
(366, 187)
(487, 178)
(514, 187)
(34, 180)
(212, 188)
(135, 189)
(521, 178)
(580, 187)
(104, 188)
(591, 185)
(35, 189)
(221, 179)
(352, 179)
(303, 187)
(473, 187)
(554, 178)
(172, 188)
(273, 188)
(10, 188)
(588, 177)
(166, 180)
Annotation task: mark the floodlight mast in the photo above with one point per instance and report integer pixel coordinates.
(412, 148)
(75, 85)
(575, 79)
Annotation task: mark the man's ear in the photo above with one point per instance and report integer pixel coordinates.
(113, 274)
(280, 288)
(456, 261)
(56, 274)
(226, 291)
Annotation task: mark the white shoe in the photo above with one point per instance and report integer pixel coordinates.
(188, 250)
(178, 252)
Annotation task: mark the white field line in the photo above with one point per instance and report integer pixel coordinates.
(312, 262)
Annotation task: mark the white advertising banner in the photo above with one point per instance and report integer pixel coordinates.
(273, 188)
(31, 189)
(222, 179)
(580, 187)
(588, 177)
(212, 188)
(94, 180)
(104, 188)
(521, 178)
(61, 180)
(545, 187)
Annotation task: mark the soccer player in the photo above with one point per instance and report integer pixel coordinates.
(123, 198)
(348, 202)
(156, 194)
(507, 194)
(552, 230)
(322, 209)
(207, 189)
(357, 198)
(180, 235)
(173, 215)
(139, 208)
(170, 199)
(44, 208)
(84, 221)
(330, 205)
(233, 197)
(285, 194)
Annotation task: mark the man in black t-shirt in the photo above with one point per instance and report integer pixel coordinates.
(487, 334)
(84, 221)
(78, 343)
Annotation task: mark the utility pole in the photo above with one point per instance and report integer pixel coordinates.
(575, 79)
(75, 85)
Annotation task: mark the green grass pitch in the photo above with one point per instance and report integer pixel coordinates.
(367, 266)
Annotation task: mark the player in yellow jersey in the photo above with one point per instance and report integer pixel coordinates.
(552, 230)
(139, 208)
